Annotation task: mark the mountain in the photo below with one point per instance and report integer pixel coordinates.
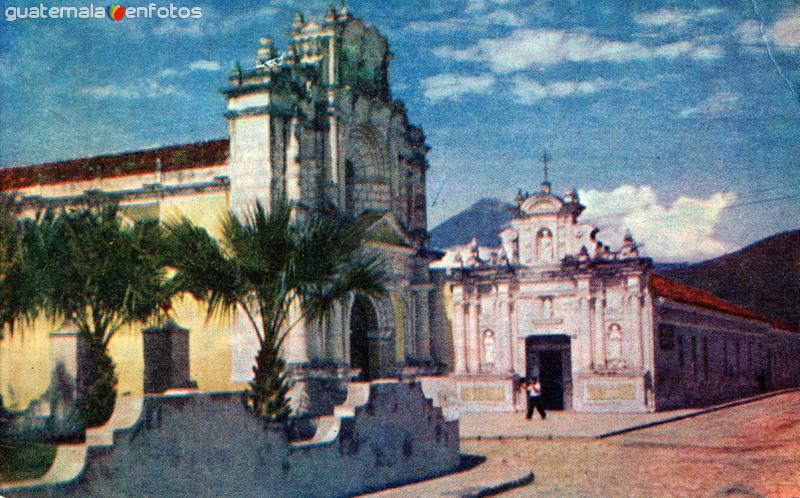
(764, 276)
(481, 220)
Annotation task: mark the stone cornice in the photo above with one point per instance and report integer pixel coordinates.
(153, 191)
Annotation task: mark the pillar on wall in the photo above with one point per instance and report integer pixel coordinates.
(599, 332)
(504, 331)
(410, 325)
(335, 348)
(295, 347)
(166, 358)
(584, 339)
(69, 359)
(637, 349)
(293, 163)
(459, 332)
(423, 317)
(473, 339)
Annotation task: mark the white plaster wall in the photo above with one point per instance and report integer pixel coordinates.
(209, 445)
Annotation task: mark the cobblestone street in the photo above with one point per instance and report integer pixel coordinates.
(748, 450)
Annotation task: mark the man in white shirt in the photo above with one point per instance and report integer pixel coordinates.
(533, 390)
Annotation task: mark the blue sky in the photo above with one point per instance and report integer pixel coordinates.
(677, 120)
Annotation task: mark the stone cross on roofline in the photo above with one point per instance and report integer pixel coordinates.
(545, 184)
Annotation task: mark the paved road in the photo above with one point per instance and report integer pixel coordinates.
(748, 450)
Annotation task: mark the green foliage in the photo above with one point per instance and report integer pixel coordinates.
(97, 404)
(102, 274)
(19, 278)
(21, 460)
(278, 272)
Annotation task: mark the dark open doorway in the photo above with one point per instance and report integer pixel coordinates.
(548, 359)
(363, 325)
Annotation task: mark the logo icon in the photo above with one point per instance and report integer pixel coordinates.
(116, 12)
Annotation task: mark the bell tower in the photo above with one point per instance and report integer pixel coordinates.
(249, 118)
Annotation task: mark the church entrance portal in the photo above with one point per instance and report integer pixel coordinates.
(547, 357)
(363, 327)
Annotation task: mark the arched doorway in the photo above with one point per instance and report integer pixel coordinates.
(363, 327)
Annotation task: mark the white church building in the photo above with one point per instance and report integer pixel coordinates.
(597, 327)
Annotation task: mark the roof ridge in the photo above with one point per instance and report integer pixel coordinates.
(173, 157)
(688, 294)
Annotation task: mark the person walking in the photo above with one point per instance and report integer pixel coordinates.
(534, 394)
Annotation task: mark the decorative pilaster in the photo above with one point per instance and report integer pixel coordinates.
(584, 339)
(293, 194)
(423, 317)
(504, 332)
(459, 330)
(473, 336)
(295, 348)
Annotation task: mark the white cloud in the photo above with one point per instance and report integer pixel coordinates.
(451, 86)
(784, 34)
(749, 33)
(205, 65)
(524, 48)
(168, 73)
(722, 102)
(684, 230)
(141, 90)
(529, 91)
(479, 6)
(674, 18)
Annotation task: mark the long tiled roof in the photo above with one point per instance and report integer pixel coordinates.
(683, 293)
(173, 158)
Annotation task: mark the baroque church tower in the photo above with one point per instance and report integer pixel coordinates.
(316, 125)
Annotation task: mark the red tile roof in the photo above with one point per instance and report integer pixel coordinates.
(683, 293)
(174, 157)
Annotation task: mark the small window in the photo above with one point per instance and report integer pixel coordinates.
(666, 337)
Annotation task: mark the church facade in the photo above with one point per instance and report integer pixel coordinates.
(597, 327)
(315, 125)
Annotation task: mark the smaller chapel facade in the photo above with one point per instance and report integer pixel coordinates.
(596, 326)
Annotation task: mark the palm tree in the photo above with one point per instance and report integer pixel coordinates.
(101, 275)
(278, 272)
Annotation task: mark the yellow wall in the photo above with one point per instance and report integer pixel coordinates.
(25, 356)
(25, 363)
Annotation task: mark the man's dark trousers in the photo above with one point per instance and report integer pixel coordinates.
(535, 401)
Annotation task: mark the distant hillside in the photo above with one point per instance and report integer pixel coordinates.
(764, 276)
(482, 220)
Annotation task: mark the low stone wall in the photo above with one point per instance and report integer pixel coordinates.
(208, 444)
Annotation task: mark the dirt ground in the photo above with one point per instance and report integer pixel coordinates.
(748, 450)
